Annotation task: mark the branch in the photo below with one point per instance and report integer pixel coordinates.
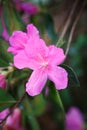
(73, 27)
(67, 22)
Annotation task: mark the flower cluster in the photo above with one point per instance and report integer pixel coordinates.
(30, 51)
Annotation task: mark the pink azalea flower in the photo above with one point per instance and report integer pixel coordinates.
(19, 39)
(3, 114)
(13, 122)
(2, 81)
(74, 120)
(43, 60)
(27, 7)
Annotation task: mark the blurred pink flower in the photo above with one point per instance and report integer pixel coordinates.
(74, 120)
(19, 39)
(42, 59)
(26, 7)
(29, 8)
(13, 122)
(3, 114)
(2, 81)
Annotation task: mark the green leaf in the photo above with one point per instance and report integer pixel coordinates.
(5, 57)
(6, 100)
(30, 115)
(60, 43)
(55, 96)
(1, 28)
(73, 79)
(12, 18)
(38, 102)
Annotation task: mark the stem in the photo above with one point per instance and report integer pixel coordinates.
(73, 27)
(67, 22)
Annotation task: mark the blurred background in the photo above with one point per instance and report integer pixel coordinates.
(53, 18)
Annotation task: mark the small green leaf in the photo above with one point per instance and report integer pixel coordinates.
(5, 57)
(60, 43)
(73, 79)
(55, 96)
(6, 100)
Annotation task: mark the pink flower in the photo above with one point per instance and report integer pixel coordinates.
(13, 122)
(3, 114)
(26, 7)
(43, 60)
(74, 120)
(2, 81)
(19, 39)
(29, 8)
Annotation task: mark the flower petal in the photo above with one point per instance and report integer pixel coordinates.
(36, 82)
(21, 60)
(59, 76)
(36, 47)
(17, 41)
(32, 31)
(56, 55)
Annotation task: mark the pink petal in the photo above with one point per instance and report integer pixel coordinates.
(59, 76)
(22, 60)
(3, 114)
(36, 47)
(32, 31)
(74, 119)
(36, 82)
(56, 55)
(18, 41)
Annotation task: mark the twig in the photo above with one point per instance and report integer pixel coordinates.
(73, 27)
(16, 105)
(68, 21)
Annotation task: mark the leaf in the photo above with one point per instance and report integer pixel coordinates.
(55, 96)
(5, 57)
(1, 28)
(73, 79)
(30, 115)
(12, 18)
(38, 102)
(6, 100)
(60, 43)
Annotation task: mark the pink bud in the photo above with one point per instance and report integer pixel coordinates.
(13, 122)
(2, 81)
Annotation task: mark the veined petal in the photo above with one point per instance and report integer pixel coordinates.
(32, 31)
(36, 82)
(56, 55)
(59, 76)
(21, 60)
(36, 47)
(18, 40)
